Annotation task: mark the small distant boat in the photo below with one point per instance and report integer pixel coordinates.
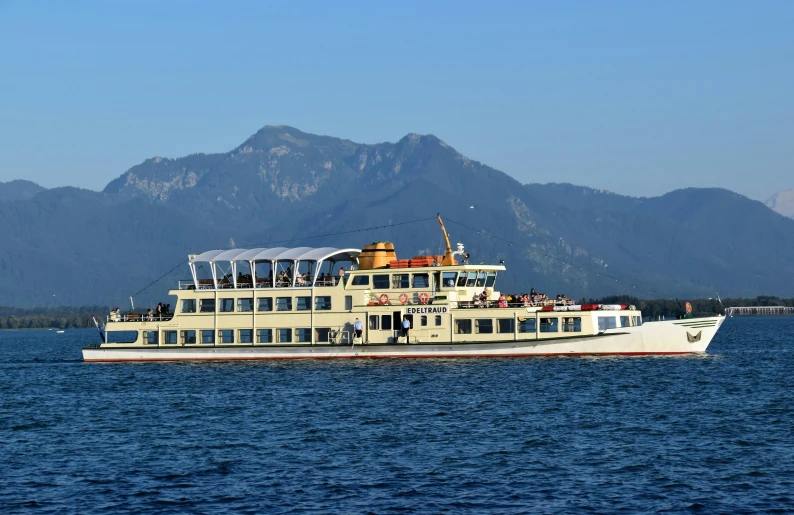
(59, 332)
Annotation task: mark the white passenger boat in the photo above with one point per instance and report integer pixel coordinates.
(293, 303)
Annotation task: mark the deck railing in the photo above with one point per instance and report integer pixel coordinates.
(225, 284)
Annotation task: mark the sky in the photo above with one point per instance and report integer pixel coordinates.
(639, 98)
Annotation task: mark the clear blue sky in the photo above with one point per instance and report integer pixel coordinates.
(635, 97)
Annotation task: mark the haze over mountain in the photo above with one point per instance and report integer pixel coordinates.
(283, 187)
(18, 190)
(782, 202)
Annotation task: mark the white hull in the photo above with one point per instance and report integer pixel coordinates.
(689, 336)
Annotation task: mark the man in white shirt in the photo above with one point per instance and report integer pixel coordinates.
(358, 328)
(406, 327)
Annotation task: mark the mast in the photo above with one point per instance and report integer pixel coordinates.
(449, 259)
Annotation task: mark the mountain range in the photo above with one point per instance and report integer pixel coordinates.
(284, 187)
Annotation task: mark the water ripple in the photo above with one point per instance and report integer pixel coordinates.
(600, 435)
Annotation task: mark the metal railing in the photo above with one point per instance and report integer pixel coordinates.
(225, 284)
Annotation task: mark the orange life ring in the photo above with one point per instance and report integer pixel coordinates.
(384, 298)
(403, 298)
(424, 298)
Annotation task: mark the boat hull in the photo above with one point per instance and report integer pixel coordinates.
(691, 336)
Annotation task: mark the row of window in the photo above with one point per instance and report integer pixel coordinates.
(611, 322)
(384, 322)
(421, 280)
(211, 336)
(507, 325)
(246, 305)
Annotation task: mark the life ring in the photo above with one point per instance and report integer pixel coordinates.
(384, 298)
(403, 298)
(424, 298)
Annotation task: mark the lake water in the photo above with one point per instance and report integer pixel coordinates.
(710, 433)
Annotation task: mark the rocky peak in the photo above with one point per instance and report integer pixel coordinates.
(782, 202)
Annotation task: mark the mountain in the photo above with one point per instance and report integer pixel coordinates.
(284, 187)
(782, 202)
(18, 190)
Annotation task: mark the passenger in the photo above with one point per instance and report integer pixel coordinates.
(484, 298)
(159, 309)
(341, 272)
(406, 327)
(150, 315)
(301, 280)
(118, 315)
(532, 292)
(321, 279)
(502, 301)
(358, 328)
(112, 315)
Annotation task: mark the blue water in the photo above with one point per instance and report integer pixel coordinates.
(711, 433)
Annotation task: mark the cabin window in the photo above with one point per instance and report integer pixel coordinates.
(303, 335)
(207, 336)
(385, 322)
(322, 334)
(188, 336)
(303, 303)
(207, 305)
(380, 282)
(284, 335)
(438, 319)
(121, 336)
(637, 320)
(264, 336)
(170, 336)
(625, 322)
(471, 279)
(484, 326)
(421, 281)
(150, 337)
(283, 303)
(188, 305)
(491, 280)
(448, 279)
(265, 304)
(527, 325)
(423, 320)
(399, 281)
(374, 322)
(225, 336)
(227, 305)
(245, 305)
(572, 325)
(463, 326)
(549, 325)
(605, 323)
(360, 280)
(462, 279)
(322, 303)
(348, 302)
(246, 335)
(505, 325)
(481, 279)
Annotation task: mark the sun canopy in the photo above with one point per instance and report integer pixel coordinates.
(277, 254)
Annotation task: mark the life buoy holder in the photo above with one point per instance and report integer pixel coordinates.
(424, 298)
(384, 298)
(403, 298)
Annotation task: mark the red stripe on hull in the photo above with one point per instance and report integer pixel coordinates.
(418, 356)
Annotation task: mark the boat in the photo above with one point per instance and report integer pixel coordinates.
(60, 331)
(307, 303)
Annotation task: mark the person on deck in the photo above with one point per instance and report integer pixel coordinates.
(502, 301)
(406, 328)
(358, 328)
(341, 272)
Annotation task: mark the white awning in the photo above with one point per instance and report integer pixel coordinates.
(277, 254)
